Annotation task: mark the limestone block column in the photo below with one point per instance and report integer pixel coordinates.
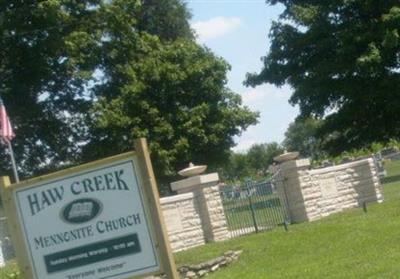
(215, 210)
(206, 189)
(296, 179)
(377, 184)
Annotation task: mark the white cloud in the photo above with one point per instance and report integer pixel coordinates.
(258, 97)
(244, 145)
(215, 27)
(275, 115)
(246, 140)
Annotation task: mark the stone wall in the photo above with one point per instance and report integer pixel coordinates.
(182, 218)
(315, 193)
(195, 217)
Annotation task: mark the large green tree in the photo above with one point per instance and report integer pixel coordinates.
(237, 168)
(175, 95)
(261, 156)
(81, 79)
(168, 19)
(46, 60)
(302, 136)
(252, 164)
(341, 57)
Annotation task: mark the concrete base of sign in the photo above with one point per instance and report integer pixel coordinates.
(188, 184)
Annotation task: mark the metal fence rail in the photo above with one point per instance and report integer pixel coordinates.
(253, 207)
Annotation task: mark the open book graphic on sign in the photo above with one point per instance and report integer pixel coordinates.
(82, 209)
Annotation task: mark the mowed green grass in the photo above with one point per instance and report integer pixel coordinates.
(352, 244)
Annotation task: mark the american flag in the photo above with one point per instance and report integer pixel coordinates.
(6, 131)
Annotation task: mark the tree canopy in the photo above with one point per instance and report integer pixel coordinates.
(252, 164)
(341, 57)
(167, 19)
(260, 156)
(46, 60)
(81, 79)
(236, 168)
(174, 95)
(302, 136)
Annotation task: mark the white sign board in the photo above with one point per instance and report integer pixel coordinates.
(88, 224)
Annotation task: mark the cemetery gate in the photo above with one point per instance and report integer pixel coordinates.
(255, 206)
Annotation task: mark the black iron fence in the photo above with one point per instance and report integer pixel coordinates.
(254, 206)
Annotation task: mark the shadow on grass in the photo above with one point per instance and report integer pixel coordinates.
(390, 179)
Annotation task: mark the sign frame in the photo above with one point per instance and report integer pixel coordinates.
(152, 208)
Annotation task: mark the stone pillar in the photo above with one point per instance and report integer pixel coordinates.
(377, 184)
(206, 190)
(296, 180)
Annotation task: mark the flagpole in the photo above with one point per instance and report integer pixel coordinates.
(14, 166)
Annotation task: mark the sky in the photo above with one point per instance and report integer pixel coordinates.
(237, 30)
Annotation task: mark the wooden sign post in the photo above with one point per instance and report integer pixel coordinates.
(98, 220)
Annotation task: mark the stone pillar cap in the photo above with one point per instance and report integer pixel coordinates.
(192, 170)
(195, 181)
(287, 156)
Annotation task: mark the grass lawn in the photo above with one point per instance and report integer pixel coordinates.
(345, 245)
